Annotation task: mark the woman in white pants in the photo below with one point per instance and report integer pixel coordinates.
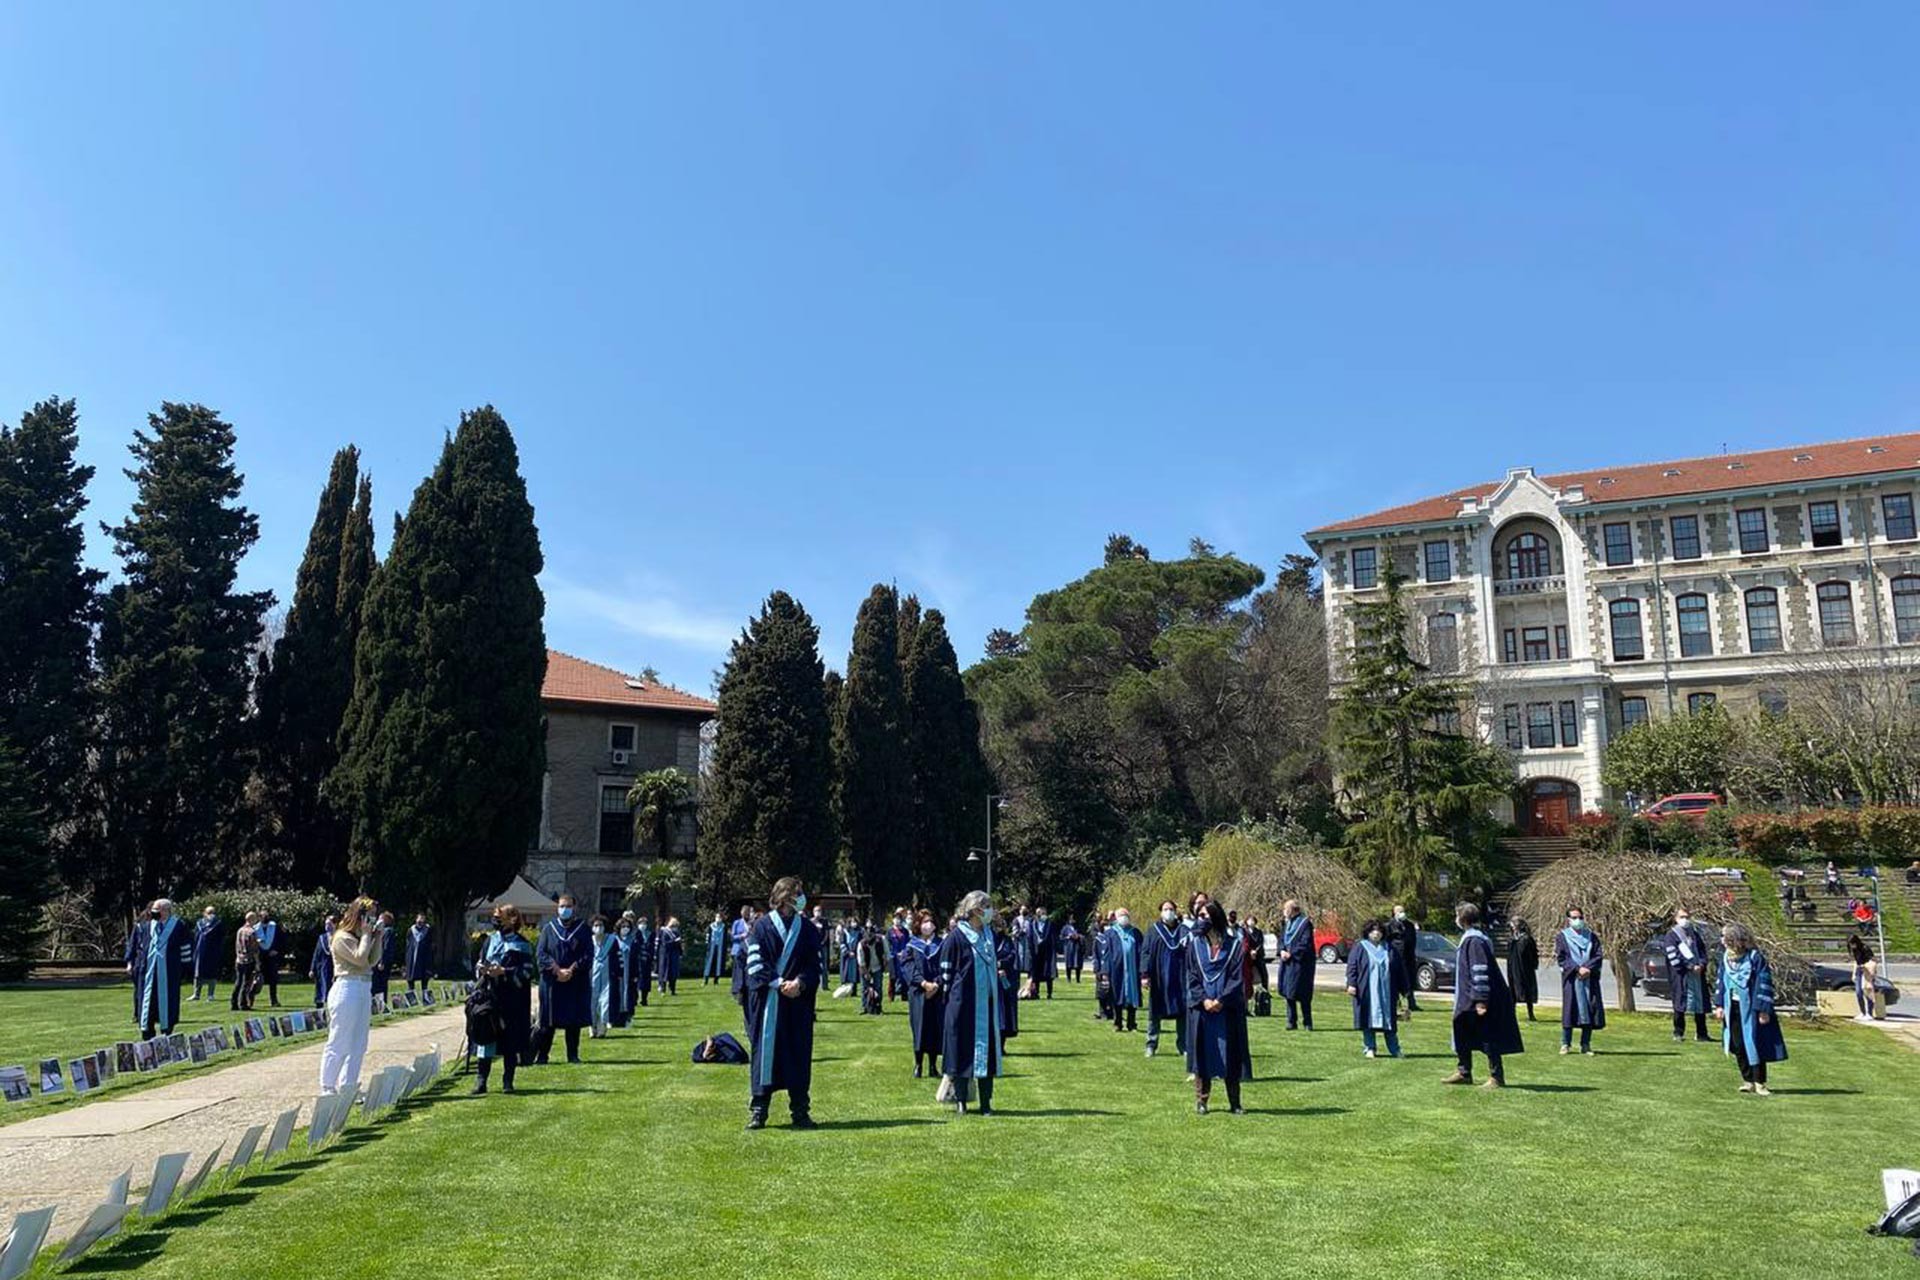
(355, 947)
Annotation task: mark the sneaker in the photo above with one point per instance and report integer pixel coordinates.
(1677, 1037)
(1746, 1088)
(805, 1122)
(1588, 1053)
(1459, 1077)
(756, 1122)
(1565, 1049)
(1493, 1082)
(1761, 1091)
(1152, 1049)
(1199, 1106)
(1366, 1053)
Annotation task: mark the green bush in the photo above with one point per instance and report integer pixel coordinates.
(1835, 833)
(1892, 834)
(1769, 838)
(298, 912)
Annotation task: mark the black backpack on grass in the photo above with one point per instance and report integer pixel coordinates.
(483, 1015)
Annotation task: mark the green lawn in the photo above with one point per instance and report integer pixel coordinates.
(1633, 1163)
(67, 1020)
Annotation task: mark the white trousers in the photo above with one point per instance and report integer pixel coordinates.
(349, 1008)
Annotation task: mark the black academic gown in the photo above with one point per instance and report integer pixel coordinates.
(641, 957)
(1523, 968)
(1043, 951)
(1572, 985)
(1217, 1042)
(960, 988)
(1008, 957)
(1692, 992)
(321, 967)
(927, 1013)
(782, 1048)
(565, 944)
(1296, 972)
(1163, 959)
(1477, 980)
(420, 953)
(206, 949)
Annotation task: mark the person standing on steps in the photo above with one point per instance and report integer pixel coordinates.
(784, 966)
(1375, 980)
(565, 959)
(1297, 961)
(1687, 984)
(1483, 1016)
(1743, 1001)
(1403, 935)
(506, 966)
(1523, 966)
(1164, 959)
(356, 948)
(206, 954)
(1216, 1000)
(1577, 951)
(971, 1038)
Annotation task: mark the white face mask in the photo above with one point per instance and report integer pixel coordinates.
(1168, 915)
(1125, 922)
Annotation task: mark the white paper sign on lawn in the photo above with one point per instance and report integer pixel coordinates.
(23, 1242)
(166, 1176)
(100, 1223)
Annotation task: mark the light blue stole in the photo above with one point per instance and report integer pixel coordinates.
(602, 976)
(151, 990)
(770, 1020)
(1129, 961)
(986, 997)
(265, 933)
(1738, 979)
(1580, 947)
(1379, 983)
(1298, 940)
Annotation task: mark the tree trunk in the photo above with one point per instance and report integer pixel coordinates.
(1623, 982)
(451, 951)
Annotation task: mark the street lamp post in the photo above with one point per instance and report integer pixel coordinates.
(976, 855)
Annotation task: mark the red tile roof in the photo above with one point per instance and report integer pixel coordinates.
(1840, 459)
(571, 679)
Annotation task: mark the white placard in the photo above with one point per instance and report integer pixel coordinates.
(117, 1189)
(206, 1167)
(100, 1223)
(249, 1142)
(1898, 1184)
(166, 1176)
(23, 1242)
(282, 1132)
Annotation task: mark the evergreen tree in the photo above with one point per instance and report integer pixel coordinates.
(304, 690)
(950, 782)
(909, 622)
(1412, 778)
(26, 868)
(176, 644)
(48, 605)
(874, 779)
(769, 801)
(442, 749)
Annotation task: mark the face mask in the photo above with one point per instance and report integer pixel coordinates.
(1682, 922)
(1124, 921)
(1580, 926)
(986, 915)
(1167, 915)
(800, 903)
(1399, 915)
(624, 931)
(566, 913)
(1042, 917)
(598, 931)
(1375, 937)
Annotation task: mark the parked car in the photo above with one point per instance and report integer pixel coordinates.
(1690, 805)
(1649, 963)
(1330, 945)
(1433, 955)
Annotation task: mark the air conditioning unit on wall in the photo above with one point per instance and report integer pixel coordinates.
(621, 757)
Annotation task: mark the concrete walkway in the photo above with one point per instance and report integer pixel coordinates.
(69, 1157)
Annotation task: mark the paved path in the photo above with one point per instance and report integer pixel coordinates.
(69, 1156)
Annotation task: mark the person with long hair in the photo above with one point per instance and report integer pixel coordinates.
(1483, 1017)
(784, 967)
(1375, 981)
(1577, 951)
(1865, 970)
(1743, 1001)
(1216, 1001)
(506, 968)
(356, 949)
(971, 1040)
(1523, 966)
(926, 1006)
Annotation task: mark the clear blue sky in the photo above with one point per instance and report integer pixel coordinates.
(807, 296)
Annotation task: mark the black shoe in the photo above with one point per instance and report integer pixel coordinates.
(1237, 1110)
(756, 1122)
(803, 1122)
(985, 1110)
(573, 1059)
(916, 1073)
(1200, 1106)
(506, 1088)
(480, 1088)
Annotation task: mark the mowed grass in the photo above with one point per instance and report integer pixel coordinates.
(1641, 1162)
(66, 1020)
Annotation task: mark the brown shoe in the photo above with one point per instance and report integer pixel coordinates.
(1459, 1077)
(1493, 1082)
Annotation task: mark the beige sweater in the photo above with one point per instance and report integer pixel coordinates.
(353, 956)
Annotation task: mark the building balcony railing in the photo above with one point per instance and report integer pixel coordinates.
(1552, 585)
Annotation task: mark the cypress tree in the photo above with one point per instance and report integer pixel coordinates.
(875, 779)
(769, 805)
(48, 604)
(909, 622)
(175, 663)
(442, 748)
(26, 869)
(950, 777)
(304, 690)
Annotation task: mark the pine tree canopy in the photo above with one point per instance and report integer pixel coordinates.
(875, 780)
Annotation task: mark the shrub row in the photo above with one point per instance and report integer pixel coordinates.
(1890, 836)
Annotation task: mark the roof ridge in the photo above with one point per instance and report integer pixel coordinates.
(1744, 453)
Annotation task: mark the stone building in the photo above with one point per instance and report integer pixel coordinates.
(1579, 604)
(604, 729)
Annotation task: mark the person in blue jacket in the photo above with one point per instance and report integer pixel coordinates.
(320, 965)
(713, 968)
(1743, 1001)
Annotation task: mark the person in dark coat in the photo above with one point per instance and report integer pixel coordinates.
(1073, 950)
(899, 934)
(389, 955)
(1123, 948)
(971, 1039)
(419, 959)
(1216, 1003)
(1374, 980)
(1403, 935)
(1163, 961)
(1297, 960)
(506, 965)
(1483, 1015)
(1045, 950)
(207, 935)
(784, 966)
(620, 1001)
(159, 957)
(564, 960)
(1102, 989)
(645, 953)
(1007, 954)
(926, 1007)
(320, 966)
(670, 950)
(1523, 966)
(1687, 982)
(1743, 1001)
(1577, 951)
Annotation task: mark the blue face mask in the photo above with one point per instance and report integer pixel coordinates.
(1579, 926)
(800, 903)
(566, 913)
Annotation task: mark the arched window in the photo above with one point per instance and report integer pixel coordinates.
(1529, 556)
(1763, 620)
(1696, 632)
(1628, 646)
(1836, 614)
(1443, 643)
(1906, 609)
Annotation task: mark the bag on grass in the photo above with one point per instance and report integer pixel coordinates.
(1901, 1220)
(720, 1050)
(842, 991)
(1262, 1003)
(945, 1092)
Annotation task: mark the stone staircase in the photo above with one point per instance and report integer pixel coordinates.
(1528, 854)
(1825, 930)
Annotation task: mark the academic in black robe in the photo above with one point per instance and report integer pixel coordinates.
(1008, 957)
(926, 1013)
(419, 954)
(1163, 962)
(641, 955)
(207, 935)
(1688, 978)
(620, 996)
(1580, 998)
(1403, 935)
(158, 972)
(782, 1026)
(1295, 984)
(1218, 1039)
(1477, 981)
(1360, 977)
(512, 994)
(389, 960)
(565, 944)
(670, 948)
(961, 1031)
(1044, 966)
(1523, 969)
(1072, 948)
(320, 969)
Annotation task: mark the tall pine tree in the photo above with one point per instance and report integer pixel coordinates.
(304, 690)
(950, 780)
(443, 748)
(26, 868)
(875, 779)
(769, 797)
(175, 665)
(48, 604)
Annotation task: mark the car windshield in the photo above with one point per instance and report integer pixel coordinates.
(1436, 942)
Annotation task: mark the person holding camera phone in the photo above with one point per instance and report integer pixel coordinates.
(355, 947)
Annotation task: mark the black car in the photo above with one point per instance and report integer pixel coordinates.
(1433, 966)
(1649, 963)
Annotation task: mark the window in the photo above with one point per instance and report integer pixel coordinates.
(1528, 556)
(1619, 539)
(616, 821)
(1698, 702)
(1773, 703)
(1540, 724)
(1509, 646)
(1443, 643)
(1627, 644)
(1511, 714)
(1823, 520)
(620, 737)
(1560, 641)
(1686, 537)
(1633, 711)
(1753, 530)
(1439, 561)
(1365, 568)
(1763, 620)
(1897, 508)
(1906, 609)
(1533, 644)
(1696, 635)
(1836, 613)
(613, 899)
(1569, 724)
(1447, 723)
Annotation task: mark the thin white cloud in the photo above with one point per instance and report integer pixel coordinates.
(646, 611)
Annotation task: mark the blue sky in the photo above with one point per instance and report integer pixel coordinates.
(810, 296)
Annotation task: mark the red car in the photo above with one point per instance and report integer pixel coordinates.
(1690, 805)
(1331, 947)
